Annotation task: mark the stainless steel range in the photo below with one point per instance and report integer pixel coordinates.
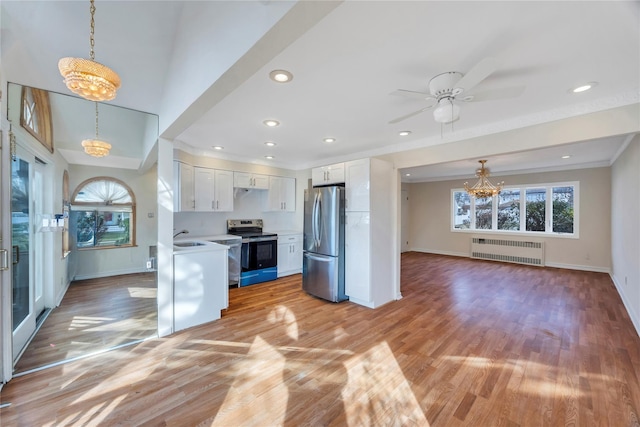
(259, 253)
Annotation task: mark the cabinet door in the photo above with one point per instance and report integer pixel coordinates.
(204, 180)
(288, 194)
(335, 174)
(357, 185)
(183, 197)
(260, 182)
(223, 194)
(274, 199)
(318, 176)
(242, 180)
(283, 259)
(326, 175)
(296, 255)
(357, 261)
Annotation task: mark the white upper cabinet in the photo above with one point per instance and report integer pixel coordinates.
(281, 195)
(250, 180)
(357, 185)
(183, 191)
(327, 175)
(213, 190)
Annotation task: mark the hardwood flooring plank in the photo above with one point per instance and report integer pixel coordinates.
(470, 343)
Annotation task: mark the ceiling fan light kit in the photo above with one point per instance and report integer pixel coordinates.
(445, 92)
(88, 78)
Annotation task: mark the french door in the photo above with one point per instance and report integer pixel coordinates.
(23, 246)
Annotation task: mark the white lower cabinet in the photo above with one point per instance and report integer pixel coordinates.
(289, 254)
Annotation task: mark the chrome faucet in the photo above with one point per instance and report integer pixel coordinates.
(181, 232)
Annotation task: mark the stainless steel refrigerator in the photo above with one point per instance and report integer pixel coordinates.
(323, 258)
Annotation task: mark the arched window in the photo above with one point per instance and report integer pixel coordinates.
(103, 213)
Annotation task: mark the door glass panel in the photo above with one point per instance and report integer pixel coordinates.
(20, 240)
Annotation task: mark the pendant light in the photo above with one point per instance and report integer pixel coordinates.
(88, 78)
(483, 188)
(96, 147)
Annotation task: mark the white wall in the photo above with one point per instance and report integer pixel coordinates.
(111, 262)
(430, 219)
(625, 228)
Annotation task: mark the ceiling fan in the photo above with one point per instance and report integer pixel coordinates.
(447, 89)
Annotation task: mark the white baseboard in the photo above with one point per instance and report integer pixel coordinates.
(437, 252)
(109, 273)
(627, 304)
(549, 264)
(61, 294)
(579, 267)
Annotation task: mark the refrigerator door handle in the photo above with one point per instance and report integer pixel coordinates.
(318, 224)
(314, 220)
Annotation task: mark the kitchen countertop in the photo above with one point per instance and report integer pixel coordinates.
(202, 246)
(284, 232)
(213, 237)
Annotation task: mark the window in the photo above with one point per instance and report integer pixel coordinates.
(103, 214)
(35, 115)
(547, 209)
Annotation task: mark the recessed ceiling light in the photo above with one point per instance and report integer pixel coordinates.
(566, 157)
(271, 123)
(281, 76)
(270, 144)
(404, 133)
(584, 87)
(329, 140)
(218, 147)
(407, 174)
(269, 157)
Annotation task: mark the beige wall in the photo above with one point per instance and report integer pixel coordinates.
(430, 219)
(111, 262)
(625, 228)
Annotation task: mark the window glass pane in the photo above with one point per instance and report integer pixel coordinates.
(483, 213)
(102, 228)
(462, 210)
(562, 209)
(509, 210)
(535, 209)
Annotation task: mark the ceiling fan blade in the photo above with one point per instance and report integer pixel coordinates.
(412, 94)
(415, 113)
(495, 94)
(477, 74)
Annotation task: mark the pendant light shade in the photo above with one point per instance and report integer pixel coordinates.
(96, 147)
(88, 78)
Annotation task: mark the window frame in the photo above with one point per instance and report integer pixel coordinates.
(523, 215)
(114, 207)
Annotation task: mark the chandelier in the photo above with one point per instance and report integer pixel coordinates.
(88, 78)
(96, 147)
(483, 188)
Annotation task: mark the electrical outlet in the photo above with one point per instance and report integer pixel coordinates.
(148, 264)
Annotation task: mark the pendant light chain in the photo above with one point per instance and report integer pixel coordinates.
(92, 9)
(96, 119)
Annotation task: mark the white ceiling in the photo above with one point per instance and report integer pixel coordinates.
(345, 66)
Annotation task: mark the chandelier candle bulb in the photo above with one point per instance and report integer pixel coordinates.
(483, 188)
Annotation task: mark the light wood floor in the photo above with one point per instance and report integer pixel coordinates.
(472, 343)
(95, 315)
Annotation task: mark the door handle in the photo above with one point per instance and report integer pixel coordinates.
(16, 248)
(4, 260)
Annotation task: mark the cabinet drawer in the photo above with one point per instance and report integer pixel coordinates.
(289, 238)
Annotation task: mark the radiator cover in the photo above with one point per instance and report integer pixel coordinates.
(508, 250)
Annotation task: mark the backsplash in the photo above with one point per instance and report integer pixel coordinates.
(246, 205)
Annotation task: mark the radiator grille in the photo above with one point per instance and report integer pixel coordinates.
(506, 250)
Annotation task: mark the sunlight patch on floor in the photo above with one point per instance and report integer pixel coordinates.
(82, 322)
(137, 292)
